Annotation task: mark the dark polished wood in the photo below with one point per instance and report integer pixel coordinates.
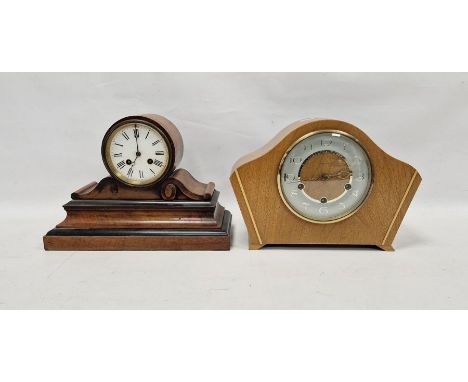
(142, 224)
(177, 212)
(181, 185)
(212, 239)
(143, 214)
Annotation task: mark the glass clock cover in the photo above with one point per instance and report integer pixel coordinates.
(137, 153)
(325, 176)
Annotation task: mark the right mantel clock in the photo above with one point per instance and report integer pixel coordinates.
(323, 181)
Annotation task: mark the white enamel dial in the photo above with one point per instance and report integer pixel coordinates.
(137, 153)
(325, 177)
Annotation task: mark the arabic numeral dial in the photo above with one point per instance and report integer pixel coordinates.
(325, 176)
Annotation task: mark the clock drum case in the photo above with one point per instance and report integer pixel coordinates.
(146, 203)
(323, 182)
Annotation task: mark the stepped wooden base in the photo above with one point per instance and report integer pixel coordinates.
(65, 239)
(112, 225)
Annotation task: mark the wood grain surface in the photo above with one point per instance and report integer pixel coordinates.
(176, 212)
(180, 185)
(136, 243)
(115, 239)
(269, 221)
(145, 229)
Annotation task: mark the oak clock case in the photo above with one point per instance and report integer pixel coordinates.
(323, 182)
(146, 203)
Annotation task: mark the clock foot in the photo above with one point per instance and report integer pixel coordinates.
(255, 246)
(387, 248)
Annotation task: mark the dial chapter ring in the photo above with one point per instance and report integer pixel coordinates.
(346, 215)
(169, 133)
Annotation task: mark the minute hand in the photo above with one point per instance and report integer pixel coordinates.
(136, 133)
(342, 175)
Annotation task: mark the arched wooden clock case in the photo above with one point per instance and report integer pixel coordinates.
(271, 220)
(176, 212)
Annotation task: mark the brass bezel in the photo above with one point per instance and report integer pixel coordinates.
(278, 180)
(106, 151)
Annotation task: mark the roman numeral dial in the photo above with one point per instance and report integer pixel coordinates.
(136, 153)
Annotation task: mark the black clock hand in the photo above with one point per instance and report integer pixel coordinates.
(342, 175)
(136, 133)
(130, 170)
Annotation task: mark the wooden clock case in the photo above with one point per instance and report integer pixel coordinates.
(176, 213)
(269, 220)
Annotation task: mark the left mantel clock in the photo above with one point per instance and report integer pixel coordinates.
(147, 203)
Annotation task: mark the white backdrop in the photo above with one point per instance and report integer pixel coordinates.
(52, 126)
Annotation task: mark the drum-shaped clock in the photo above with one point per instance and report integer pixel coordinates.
(146, 203)
(323, 182)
